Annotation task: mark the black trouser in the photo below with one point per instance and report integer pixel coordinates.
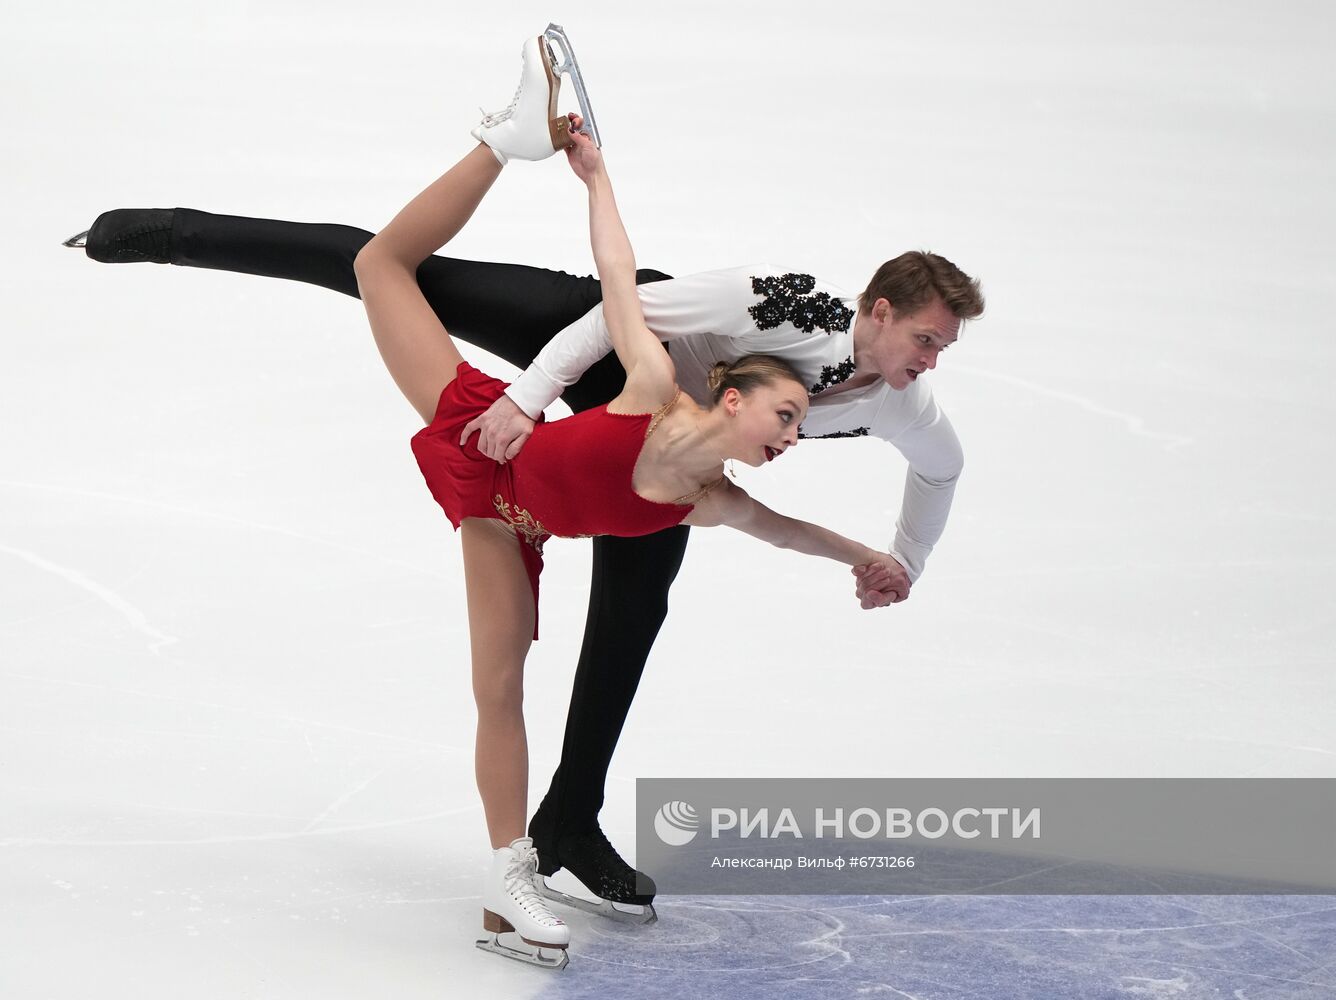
(512, 311)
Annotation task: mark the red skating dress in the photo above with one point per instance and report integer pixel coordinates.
(571, 479)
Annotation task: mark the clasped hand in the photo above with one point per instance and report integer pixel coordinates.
(881, 582)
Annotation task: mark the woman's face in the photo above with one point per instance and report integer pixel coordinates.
(764, 421)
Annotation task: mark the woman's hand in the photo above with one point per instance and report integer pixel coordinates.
(583, 156)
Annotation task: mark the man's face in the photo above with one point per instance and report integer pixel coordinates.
(907, 346)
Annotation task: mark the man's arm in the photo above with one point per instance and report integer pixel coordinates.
(649, 372)
(930, 445)
(935, 462)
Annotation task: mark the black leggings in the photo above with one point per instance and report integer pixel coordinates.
(512, 311)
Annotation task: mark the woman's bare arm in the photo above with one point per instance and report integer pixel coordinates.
(734, 507)
(637, 348)
(731, 505)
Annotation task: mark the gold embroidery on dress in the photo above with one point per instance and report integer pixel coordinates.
(524, 523)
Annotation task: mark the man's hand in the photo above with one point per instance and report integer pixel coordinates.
(501, 431)
(881, 582)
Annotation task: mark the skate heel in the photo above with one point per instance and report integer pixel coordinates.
(560, 130)
(494, 923)
(558, 125)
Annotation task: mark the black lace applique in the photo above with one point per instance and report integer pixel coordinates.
(832, 375)
(789, 297)
(857, 432)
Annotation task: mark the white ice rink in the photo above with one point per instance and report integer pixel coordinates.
(236, 723)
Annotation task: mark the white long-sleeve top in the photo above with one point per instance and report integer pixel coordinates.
(721, 316)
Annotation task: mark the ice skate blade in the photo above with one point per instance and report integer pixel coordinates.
(77, 240)
(496, 946)
(556, 35)
(626, 913)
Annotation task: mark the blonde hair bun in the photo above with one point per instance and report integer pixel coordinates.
(749, 372)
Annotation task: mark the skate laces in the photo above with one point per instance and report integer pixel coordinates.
(496, 117)
(519, 886)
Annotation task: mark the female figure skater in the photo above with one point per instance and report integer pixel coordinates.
(649, 459)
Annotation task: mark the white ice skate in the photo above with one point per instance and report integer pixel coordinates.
(530, 128)
(510, 905)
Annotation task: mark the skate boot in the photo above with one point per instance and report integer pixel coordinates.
(128, 236)
(530, 128)
(623, 893)
(510, 905)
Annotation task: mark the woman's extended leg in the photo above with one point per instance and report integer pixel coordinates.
(418, 352)
(501, 620)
